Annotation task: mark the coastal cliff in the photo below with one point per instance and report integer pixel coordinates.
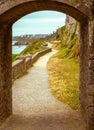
(67, 38)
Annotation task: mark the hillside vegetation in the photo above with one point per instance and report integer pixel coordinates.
(67, 42)
(32, 48)
(63, 67)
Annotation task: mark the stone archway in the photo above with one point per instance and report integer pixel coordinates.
(83, 11)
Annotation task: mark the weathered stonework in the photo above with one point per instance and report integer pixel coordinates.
(24, 63)
(81, 10)
(5, 72)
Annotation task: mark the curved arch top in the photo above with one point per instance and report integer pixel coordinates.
(12, 10)
(81, 10)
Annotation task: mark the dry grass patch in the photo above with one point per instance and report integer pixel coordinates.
(63, 78)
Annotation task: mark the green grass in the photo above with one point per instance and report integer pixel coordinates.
(33, 48)
(14, 57)
(63, 78)
(30, 49)
(63, 67)
(71, 50)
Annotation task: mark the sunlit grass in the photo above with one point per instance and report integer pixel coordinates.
(33, 48)
(30, 49)
(14, 57)
(63, 78)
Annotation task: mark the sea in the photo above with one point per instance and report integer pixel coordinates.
(17, 49)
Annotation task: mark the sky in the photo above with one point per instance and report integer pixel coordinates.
(41, 22)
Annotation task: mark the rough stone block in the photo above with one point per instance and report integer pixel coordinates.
(90, 101)
(90, 90)
(91, 77)
(90, 118)
(90, 112)
(91, 64)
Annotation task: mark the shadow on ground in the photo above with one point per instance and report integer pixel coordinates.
(34, 108)
(51, 121)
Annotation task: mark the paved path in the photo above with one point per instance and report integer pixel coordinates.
(34, 108)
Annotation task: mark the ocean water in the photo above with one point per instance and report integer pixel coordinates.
(18, 49)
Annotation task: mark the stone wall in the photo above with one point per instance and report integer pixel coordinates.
(20, 66)
(81, 10)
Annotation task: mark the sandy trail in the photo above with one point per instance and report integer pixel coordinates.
(34, 108)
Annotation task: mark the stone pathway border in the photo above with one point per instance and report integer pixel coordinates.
(34, 108)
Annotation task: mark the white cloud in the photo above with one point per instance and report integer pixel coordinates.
(39, 23)
(53, 20)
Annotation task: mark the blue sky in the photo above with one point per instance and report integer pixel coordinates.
(41, 22)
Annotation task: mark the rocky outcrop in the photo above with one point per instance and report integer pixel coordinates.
(68, 37)
(70, 23)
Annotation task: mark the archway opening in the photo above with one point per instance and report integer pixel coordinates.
(22, 9)
(22, 99)
(41, 27)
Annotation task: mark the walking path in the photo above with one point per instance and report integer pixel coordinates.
(34, 108)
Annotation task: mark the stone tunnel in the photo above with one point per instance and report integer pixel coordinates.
(83, 12)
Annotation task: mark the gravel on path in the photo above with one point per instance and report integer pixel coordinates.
(34, 108)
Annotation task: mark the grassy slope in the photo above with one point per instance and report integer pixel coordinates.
(63, 69)
(33, 48)
(68, 44)
(63, 78)
(30, 49)
(14, 57)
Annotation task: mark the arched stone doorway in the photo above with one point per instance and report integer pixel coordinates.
(11, 11)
